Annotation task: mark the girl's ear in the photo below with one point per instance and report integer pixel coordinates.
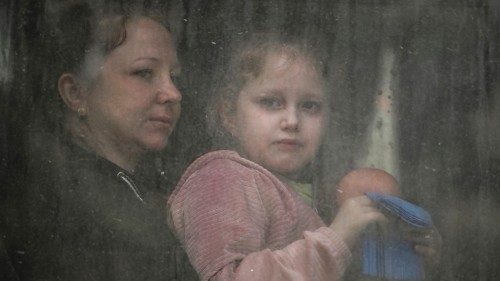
(72, 93)
(226, 113)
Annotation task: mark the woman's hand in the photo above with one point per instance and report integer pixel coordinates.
(354, 216)
(427, 243)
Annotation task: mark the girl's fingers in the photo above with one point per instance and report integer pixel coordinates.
(362, 200)
(427, 242)
(354, 216)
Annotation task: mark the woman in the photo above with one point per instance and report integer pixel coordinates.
(89, 218)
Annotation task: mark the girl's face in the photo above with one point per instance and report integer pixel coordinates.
(280, 116)
(134, 104)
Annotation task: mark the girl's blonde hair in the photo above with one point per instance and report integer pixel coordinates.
(245, 64)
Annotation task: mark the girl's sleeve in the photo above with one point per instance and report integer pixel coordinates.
(223, 224)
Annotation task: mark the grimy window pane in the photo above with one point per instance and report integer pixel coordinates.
(415, 89)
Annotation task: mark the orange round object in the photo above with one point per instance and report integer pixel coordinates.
(359, 181)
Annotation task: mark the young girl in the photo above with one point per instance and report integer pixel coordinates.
(239, 213)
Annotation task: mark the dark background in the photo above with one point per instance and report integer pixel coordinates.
(448, 102)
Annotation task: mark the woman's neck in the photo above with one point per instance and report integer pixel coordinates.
(122, 156)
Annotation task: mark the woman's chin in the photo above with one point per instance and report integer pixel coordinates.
(155, 144)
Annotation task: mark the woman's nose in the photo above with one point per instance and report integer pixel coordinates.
(168, 92)
(290, 120)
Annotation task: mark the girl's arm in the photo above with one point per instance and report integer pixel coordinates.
(222, 220)
(318, 256)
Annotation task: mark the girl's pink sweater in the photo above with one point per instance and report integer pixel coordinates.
(237, 221)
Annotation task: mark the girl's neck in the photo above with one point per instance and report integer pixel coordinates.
(285, 178)
(293, 177)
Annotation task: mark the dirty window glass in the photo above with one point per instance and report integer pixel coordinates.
(414, 85)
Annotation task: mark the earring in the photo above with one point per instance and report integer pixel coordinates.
(82, 112)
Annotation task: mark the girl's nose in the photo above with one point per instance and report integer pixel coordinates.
(168, 92)
(290, 121)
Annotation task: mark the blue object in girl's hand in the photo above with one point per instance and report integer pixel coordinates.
(392, 257)
(408, 212)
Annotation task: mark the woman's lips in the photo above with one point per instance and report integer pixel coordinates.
(161, 121)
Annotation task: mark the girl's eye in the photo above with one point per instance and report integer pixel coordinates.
(270, 103)
(311, 106)
(144, 73)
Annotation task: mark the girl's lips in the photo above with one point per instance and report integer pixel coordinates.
(289, 141)
(288, 144)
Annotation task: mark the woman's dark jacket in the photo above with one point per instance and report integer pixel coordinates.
(87, 219)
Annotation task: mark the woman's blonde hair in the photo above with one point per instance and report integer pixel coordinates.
(77, 33)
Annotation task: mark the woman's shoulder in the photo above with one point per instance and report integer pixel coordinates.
(68, 172)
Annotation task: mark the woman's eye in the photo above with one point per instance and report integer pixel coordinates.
(144, 73)
(175, 78)
(311, 106)
(271, 103)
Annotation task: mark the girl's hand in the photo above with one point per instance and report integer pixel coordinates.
(354, 216)
(427, 242)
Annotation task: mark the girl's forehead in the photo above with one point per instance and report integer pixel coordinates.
(283, 61)
(282, 57)
(280, 60)
(292, 69)
(285, 74)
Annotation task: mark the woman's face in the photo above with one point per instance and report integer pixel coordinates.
(133, 104)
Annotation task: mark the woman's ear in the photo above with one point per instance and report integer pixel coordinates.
(72, 93)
